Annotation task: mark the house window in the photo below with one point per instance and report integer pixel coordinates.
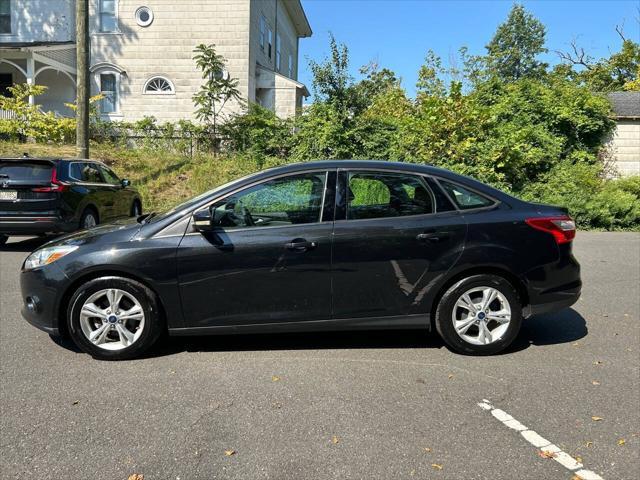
(159, 86)
(108, 16)
(109, 90)
(290, 66)
(5, 16)
(263, 32)
(270, 41)
(144, 16)
(278, 55)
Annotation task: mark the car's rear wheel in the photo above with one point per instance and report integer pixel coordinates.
(479, 315)
(114, 318)
(89, 219)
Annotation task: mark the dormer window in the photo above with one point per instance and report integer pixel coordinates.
(5, 16)
(108, 16)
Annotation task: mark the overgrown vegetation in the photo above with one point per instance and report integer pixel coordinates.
(505, 118)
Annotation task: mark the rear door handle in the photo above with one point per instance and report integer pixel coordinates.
(300, 245)
(433, 237)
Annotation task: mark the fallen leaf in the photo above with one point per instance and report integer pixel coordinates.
(595, 382)
(576, 477)
(420, 380)
(335, 440)
(576, 344)
(597, 362)
(75, 402)
(621, 442)
(589, 444)
(626, 314)
(228, 453)
(578, 459)
(275, 378)
(427, 449)
(437, 466)
(605, 314)
(277, 405)
(136, 476)
(546, 454)
(596, 419)
(450, 376)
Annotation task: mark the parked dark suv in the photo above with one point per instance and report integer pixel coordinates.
(40, 196)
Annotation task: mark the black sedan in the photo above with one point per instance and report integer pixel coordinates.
(41, 196)
(317, 246)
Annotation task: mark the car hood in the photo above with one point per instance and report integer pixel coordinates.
(109, 233)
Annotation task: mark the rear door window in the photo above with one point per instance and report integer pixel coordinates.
(464, 198)
(25, 171)
(381, 195)
(89, 173)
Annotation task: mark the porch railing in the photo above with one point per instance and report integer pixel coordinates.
(7, 114)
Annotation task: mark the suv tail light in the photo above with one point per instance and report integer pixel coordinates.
(563, 228)
(56, 185)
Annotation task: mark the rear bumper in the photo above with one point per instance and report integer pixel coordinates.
(561, 300)
(34, 225)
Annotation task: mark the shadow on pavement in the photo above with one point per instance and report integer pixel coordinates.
(562, 327)
(24, 244)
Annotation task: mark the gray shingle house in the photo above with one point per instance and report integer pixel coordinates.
(141, 52)
(625, 142)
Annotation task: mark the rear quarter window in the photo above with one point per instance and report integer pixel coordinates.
(464, 198)
(25, 171)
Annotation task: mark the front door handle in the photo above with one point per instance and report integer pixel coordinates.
(300, 245)
(433, 237)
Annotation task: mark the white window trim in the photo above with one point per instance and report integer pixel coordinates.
(106, 71)
(263, 32)
(117, 17)
(151, 16)
(146, 84)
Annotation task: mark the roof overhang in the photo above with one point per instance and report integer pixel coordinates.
(298, 17)
(267, 78)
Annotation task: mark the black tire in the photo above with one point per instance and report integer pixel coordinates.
(3, 239)
(136, 208)
(444, 312)
(153, 321)
(85, 217)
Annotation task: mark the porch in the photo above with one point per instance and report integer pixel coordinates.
(50, 64)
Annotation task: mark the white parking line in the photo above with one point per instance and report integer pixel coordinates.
(545, 446)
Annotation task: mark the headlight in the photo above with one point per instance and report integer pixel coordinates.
(46, 256)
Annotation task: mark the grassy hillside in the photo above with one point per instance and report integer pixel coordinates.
(163, 179)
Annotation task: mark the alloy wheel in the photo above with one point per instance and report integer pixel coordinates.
(481, 315)
(89, 221)
(112, 319)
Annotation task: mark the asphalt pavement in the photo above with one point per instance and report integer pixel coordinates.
(365, 405)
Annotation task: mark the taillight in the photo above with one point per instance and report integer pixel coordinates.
(56, 185)
(563, 228)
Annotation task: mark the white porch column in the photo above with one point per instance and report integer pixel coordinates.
(31, 71)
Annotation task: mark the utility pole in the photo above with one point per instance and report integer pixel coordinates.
(82, 86)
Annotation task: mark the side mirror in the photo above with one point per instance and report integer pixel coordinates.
(125, 183)
(203, 220)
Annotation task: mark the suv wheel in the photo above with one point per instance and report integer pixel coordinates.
(114, 318)
(89, 219)
(479, 315)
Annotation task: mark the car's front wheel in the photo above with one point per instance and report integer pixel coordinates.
(114, 318)
(479, 315)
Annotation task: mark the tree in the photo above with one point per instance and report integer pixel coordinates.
(513, 50)
(620, 71)
(215, 92)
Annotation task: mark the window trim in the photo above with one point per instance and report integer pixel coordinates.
(10, 15)
(161, 77)
(116, 17)
(109, 70)
(263, 32)
(208, 204)
(419, 176)
(278, 52)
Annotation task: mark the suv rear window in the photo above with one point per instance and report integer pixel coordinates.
(25, 171)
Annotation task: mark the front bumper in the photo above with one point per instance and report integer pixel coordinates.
(41, 290)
